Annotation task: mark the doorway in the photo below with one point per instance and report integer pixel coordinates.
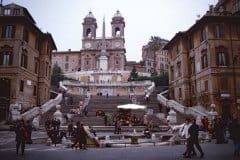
(5, 85)
(226, 110)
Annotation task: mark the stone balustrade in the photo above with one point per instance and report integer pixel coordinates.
(112, 84)
(36, 111)
(194, 111)
(51, 103)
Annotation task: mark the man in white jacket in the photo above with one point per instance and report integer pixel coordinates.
(184, 133)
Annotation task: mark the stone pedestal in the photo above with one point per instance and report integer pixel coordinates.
(172, 117)
(58, 114)
(35, 122)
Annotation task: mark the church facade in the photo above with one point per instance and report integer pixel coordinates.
(100, 66)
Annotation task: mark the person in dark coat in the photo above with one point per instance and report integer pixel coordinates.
(82, 137)
(29, 129)
(54, 136)
(70, 129)
(219, 131)
(193, 140)
(79, 136)
(234, 129)
(21, 135)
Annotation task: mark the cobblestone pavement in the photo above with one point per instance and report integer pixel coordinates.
(41, 151)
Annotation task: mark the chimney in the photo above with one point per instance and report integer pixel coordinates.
(211, 9)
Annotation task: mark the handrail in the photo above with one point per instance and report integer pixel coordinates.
(179, 107)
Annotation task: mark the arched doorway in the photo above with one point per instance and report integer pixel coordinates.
(5, 85)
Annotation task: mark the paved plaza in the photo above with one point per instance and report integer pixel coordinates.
(41, 151)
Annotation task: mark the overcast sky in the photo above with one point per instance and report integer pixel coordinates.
(143, 19)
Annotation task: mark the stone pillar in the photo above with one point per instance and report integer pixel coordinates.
(58, 114)
(36, 122)
(172, 117)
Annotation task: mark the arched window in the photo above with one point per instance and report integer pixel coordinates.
(88, 32)
(117, 31)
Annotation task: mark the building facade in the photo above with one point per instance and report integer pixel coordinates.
(100, 67)
(105, 53)
(155, 60)
(23, 49)
(68, 61)
(205, 61)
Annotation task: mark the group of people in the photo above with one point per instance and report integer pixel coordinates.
(79, 137)
(190, 132)
(53, 130)
(23, 135)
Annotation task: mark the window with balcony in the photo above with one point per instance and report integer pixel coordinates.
(180, 93)
(7, 11)
(166, 66)
(16, 11)
(219, 30)
(67, 58)
(24, 60)
(205, 86)
(66, 66)
(161, 66)
(8, 31)
(177, 48)
(236, 5)
(21, 86)
(36, 63)
(204, 59)
(191, 44)
(37, 44)
(192, 65)
(202, 34)
(179, 69)
(25, 35)
(5, 58)
(222, 56)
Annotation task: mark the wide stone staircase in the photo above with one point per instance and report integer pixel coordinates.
(152, 105)
(106, 104)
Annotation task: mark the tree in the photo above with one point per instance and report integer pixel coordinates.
(57, 75)
(155, 43)
(133, 74)
(160, 80)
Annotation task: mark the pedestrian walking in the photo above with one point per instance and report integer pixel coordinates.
(70, 128)
(193, 140)
(105, 120)
(29, 129)
(76, 134)
(184, 133)
(82, 137)
(21, 136)
(234, 129)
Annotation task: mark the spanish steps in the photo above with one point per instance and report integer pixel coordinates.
(108, 104)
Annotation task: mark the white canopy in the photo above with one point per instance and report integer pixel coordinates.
(131, 106)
